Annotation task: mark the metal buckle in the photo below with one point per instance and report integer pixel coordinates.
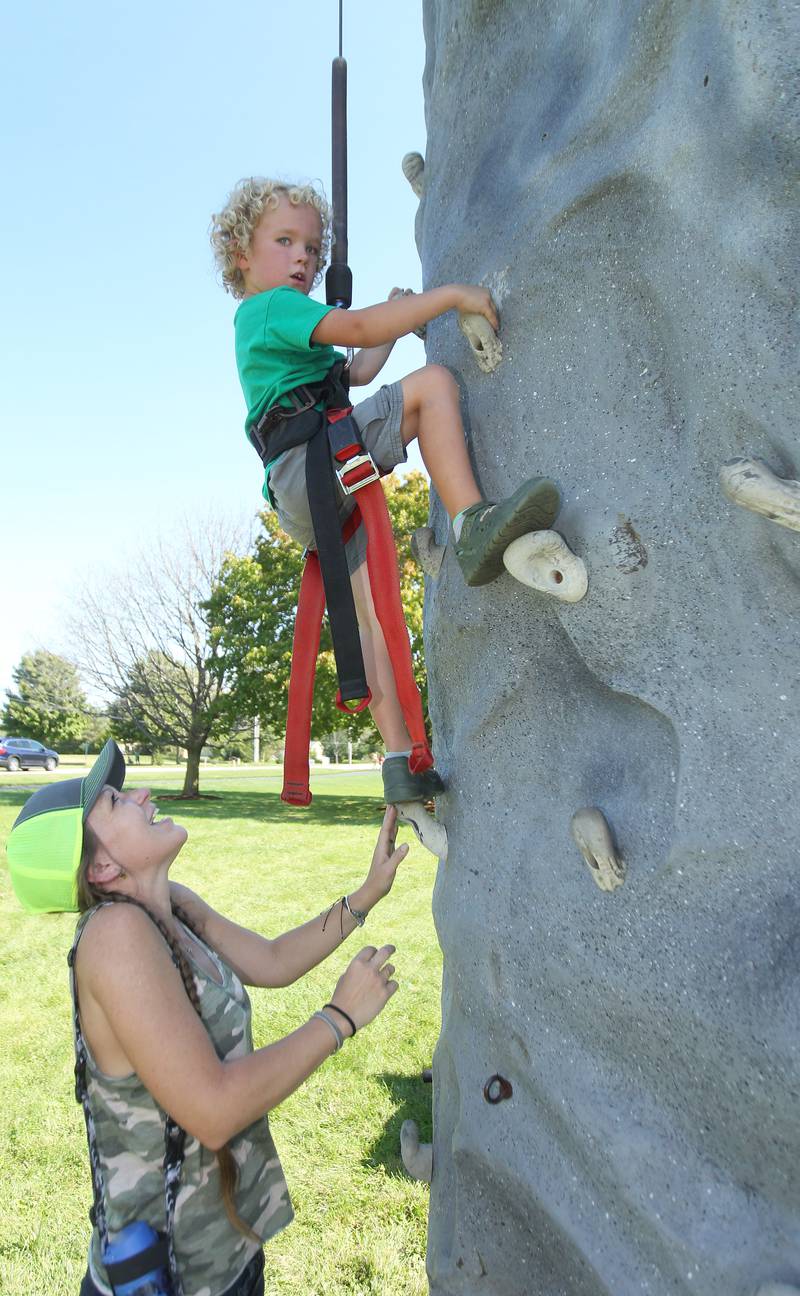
(356, 462)
(300, 404)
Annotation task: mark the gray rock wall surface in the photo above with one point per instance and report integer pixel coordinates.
(620, 173)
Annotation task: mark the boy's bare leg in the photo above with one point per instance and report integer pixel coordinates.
(401, 788)
(431, 414)
(485, 528)
(385, 705)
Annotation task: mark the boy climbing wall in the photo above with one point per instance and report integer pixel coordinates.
(271, 242)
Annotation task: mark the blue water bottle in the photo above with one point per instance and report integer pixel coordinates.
(129, 1243)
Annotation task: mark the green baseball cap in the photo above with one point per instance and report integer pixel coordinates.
(44, 848)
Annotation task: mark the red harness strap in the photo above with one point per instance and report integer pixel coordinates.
(384, 579)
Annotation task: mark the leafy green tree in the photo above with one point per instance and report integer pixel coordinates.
(48, 703)
(252, 613)
(233, 746)
(96, 730)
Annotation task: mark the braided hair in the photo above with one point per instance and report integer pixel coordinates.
(88, 897)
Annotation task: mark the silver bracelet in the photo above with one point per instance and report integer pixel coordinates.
(337, 1034)
(357, 914)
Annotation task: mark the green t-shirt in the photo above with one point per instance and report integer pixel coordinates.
(274, 351)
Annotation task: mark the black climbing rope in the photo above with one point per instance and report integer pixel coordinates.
(339, 279)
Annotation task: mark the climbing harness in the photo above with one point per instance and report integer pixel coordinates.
(282, 429)
(335, 453)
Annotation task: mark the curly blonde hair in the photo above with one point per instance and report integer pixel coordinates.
(232, 228)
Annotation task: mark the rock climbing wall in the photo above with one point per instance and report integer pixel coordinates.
(618, 173)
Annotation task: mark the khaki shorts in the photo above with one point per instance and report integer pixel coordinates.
(378, 419)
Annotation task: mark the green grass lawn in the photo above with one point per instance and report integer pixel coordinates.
(360, 1221)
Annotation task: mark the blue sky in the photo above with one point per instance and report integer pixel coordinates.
(127, 124)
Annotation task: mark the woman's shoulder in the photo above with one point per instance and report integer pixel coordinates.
(116, 929)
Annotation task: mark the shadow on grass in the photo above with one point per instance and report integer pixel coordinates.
(413, 1101)
(176, 796)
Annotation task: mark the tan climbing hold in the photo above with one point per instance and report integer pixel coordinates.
(417, 1157)
(593, 838)
(543, 560)
(413, 165)
(753, 485)
(431, 834)
(426, 551)
(486, 346)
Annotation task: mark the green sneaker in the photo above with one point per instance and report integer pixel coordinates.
(488, 529)
(399, 784)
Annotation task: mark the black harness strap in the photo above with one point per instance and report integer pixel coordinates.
(323, 501)
(280, 429)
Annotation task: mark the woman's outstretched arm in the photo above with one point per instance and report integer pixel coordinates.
(137, 1017)
(259, 961)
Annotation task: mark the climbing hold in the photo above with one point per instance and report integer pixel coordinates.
(594, 841)
(778, 1289)
(413, 165)
(486, 346)
(417, 1157)
(497, 1089)
(753, 485)
(544, 561)
(426, 551)
(432, 834)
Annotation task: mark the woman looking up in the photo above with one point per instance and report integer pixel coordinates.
(163, 1040)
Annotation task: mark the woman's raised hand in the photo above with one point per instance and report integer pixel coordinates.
(385, 858)
(366, 986)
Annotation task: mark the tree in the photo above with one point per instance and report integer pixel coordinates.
(49, 703)
(145, 639)
(96, 730)
(146, 708)
(335, 744)
(252, 612)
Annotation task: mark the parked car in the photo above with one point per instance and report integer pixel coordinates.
(24, 753)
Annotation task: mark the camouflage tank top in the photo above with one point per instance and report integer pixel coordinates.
(129, 1127)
